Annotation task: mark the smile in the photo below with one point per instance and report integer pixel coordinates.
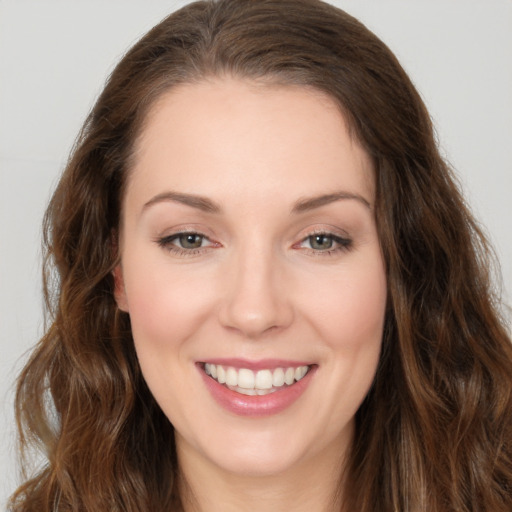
(252, 383)
(256, 388)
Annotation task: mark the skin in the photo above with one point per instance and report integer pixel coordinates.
(257, 288)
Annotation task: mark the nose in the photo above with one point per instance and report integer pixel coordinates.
(255, 298)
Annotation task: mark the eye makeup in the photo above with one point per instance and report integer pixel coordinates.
(191, 243)
(324, 243)
(186, 243)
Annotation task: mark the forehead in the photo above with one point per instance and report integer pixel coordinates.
(236, 135)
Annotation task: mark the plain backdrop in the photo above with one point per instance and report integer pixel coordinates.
(56, 54)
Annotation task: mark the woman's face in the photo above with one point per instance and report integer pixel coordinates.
(252, 273)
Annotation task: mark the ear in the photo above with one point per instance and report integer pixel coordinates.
(119, 289)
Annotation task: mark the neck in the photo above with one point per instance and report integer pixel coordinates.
(314, 485)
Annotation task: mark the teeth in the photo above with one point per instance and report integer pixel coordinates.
(289, 376)
(278, 378)
(300, 372)
(245, 379)
(263, 379)
(231, 377)
(262, 382)
(221, 374)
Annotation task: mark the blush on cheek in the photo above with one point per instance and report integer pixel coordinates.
(367, 317)
(352, 313)
(166, 310)
(160, 319)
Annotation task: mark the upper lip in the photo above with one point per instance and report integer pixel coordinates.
(260, 364)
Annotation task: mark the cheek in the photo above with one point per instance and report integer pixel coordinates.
(167, 312)
(165, 307)
(349, 319)
(350, 308)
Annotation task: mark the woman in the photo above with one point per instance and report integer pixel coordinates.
(270, 293)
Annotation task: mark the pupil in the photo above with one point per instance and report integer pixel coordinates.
(191, 241)
(321, 242)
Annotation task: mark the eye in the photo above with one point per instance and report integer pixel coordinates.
(325, 243)
(185, 243)
(320, 242)
(190, 240)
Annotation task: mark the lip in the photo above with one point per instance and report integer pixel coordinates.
(263, 364)
(256, 406)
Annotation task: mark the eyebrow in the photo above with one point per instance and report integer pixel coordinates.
(310, 203)
(207, 205)
(201, 203)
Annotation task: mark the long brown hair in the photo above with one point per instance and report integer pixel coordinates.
(435, 431)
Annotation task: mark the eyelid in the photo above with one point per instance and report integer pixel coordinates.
(166, 242)
(343, 242)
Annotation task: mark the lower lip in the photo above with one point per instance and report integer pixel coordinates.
(264, 405)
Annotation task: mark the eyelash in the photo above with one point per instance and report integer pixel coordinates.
(341, 244)
(166, 242)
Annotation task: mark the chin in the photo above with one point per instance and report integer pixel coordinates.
(253, 461)
(271, 450)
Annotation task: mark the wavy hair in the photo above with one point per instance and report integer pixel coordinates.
(434, 432)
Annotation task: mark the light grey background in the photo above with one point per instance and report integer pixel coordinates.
(56, 54)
